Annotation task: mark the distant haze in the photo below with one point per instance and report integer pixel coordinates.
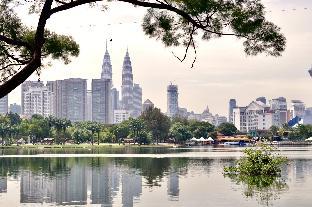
(222, 70)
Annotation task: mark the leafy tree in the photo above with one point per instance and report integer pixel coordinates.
(121, 130)
(274, 130)
(201, 129)
(4, 128)
(228, 129)
(180, 132)
(156, 122)
(81, 135)
(174, 22)
(136, 127)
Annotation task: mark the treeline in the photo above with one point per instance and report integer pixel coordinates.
(299, 133)
(151, 126)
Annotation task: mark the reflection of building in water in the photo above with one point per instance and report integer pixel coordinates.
(105, 183)
(173, 186)
(72, 188)
(3, 184)
(63, 189)
(131, 187)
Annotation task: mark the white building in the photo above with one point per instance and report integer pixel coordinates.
(121, 115)
(255, 116)
(279, 105)
(38, 100)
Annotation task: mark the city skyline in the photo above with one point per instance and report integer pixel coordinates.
(218, 73)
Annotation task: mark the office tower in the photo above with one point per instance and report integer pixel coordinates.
(101, 101)
(4, 105)
(37, 100)
(115, 99)
(279, 105)
(15, 109)
(70, 98)
(137, 100)
(89, 106)
(127, 84)
(232, 105)
(25, 86)
(261, 99)
(172, 100)
(147, 104)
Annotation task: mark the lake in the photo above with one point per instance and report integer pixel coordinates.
(147, 177)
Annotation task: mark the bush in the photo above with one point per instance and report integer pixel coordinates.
(257, 162)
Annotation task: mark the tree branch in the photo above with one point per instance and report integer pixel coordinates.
(14, 42)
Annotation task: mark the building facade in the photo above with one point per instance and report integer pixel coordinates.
(115, 99)
(121, 115)
(25, 87)
(38, 100)
(297, 108)
(4, 105)
(172, 100)
(232, 105)
(89, 106)
(101, 100)
(70, 98)
(137, 100)
(255, 116)
(147, 104)
(279, 105)
(15, 108)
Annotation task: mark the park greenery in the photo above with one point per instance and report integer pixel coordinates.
(24, 50)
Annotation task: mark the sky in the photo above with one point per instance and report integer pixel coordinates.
(222, 70)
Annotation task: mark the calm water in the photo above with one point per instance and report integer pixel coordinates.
(147, 177)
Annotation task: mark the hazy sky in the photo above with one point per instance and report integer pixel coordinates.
(222, 70)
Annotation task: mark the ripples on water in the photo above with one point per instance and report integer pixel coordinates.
(157, 177)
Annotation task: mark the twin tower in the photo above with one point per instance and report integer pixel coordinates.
(105, 99)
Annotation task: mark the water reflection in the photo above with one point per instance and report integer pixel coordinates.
(131, 182)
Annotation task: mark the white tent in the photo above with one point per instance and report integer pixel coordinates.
(210, 139)
(309, 139)
(193, 139)
(202, 139)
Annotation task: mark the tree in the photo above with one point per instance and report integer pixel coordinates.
(136, 127)
(228, 129)
(180, 132)
(274, 130)
(156, 122)
(201, 129)
(174, 22)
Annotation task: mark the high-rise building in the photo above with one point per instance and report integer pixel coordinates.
(15, 108)
(173, 185)
(137, 100)
(279, 105)
(25, 86)
(172, 100)
(127, 84)
(297, 108)
(106, 66)
(101, 100)
(147, 104)
(307, 118)
(262, 99)
(89, 106)
(4, 105)
(232, 105)
(3, 184)
(115, 99)
(37, 100)
(70, 98)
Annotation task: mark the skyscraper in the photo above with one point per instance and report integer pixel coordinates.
(147, 104)
(172, 100)
(127, 84)
(101, 100)
(89, 106)
(106, 66)
(137, 100)
(4, 105)
(232, 105)
(279, 105)
(15, 109)
(70, 98)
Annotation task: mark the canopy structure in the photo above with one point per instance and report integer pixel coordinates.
(309, 139)
(202, 139)
(194, 139)
(210, 139)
